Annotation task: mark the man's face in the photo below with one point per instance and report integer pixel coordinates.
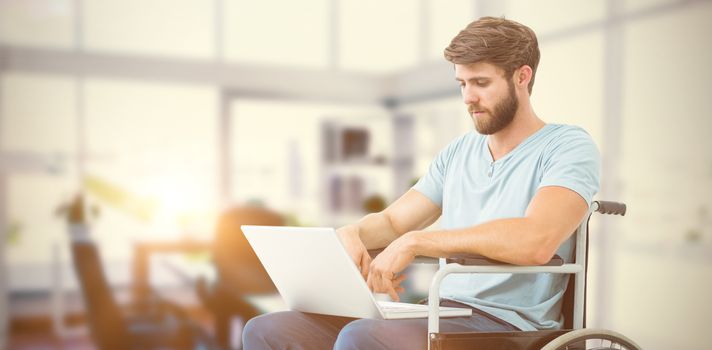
(489, 96)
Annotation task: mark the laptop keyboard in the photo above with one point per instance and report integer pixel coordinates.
(391, 306)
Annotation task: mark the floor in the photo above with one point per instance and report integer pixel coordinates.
(39, 335)
(36, 331)
(46, 341)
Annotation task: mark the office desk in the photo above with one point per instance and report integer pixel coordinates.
(143, 250)
(191, 271)
(169, 258)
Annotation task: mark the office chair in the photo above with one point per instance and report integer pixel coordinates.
(113, 327)
(156, 326)
(572, 336)
(239, 272)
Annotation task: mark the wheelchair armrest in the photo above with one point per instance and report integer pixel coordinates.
(418, 259)
(470, 259)
(474, 259)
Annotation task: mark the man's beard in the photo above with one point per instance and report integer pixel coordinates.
(501, 116)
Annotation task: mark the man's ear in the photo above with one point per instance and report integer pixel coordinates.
(523, 75)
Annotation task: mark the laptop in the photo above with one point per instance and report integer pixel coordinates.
(313, 273)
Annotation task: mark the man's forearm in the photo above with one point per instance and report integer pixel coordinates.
(518, 241)
(412, 211)
(551, 217)
(376, 230)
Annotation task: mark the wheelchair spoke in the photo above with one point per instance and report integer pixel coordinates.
(595, 344)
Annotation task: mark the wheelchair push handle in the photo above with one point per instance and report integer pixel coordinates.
(613, 208)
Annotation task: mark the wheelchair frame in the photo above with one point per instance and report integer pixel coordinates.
(577, 268)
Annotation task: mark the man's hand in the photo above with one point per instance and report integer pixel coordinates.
(349, 236)
(383, 275)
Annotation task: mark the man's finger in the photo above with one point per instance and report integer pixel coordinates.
(377, 283)
(383, 283)
(395, 287)
(365, 263)
(393, 294)
(398, 280)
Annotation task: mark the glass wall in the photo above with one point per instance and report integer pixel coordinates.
(167, 28)
(39, 142)
(156, 143)
(666, 174)
(444, 20)
(297, 34)
(152, 143)
(37, 23)
(156, 139)
(379, 46)
(279, 156)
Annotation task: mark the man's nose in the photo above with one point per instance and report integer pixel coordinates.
(469, 96)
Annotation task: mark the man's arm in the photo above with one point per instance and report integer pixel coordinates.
(551, 217)
(412, 211)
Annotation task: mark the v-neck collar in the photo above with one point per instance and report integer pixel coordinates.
(516, 149)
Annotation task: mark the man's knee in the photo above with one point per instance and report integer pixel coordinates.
(356, 335)
(372, 334)
(292, 329)
(270, 330)
(255, 332)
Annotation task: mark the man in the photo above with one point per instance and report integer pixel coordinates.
(513, 191)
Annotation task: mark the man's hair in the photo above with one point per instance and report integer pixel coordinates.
(499, 41)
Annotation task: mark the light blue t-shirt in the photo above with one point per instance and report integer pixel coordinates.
(472, 189)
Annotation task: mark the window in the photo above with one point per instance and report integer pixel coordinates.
(437, 123)
(666, 157)
(378, 36)
(28, 126)
(555, 16)
(41, 141)
(569, 83)
(43, 23)
(445, 20)
(277, 154)
(290, 33)
(156, 143)
(180, 28)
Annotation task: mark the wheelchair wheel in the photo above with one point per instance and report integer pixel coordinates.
(591, 339)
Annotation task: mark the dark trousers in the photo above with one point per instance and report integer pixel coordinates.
(298, 330)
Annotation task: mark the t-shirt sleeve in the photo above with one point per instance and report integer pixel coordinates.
(431, 184)
(573, 162)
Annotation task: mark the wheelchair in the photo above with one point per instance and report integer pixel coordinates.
(574, 335)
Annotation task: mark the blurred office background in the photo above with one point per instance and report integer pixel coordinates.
(165, 113)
